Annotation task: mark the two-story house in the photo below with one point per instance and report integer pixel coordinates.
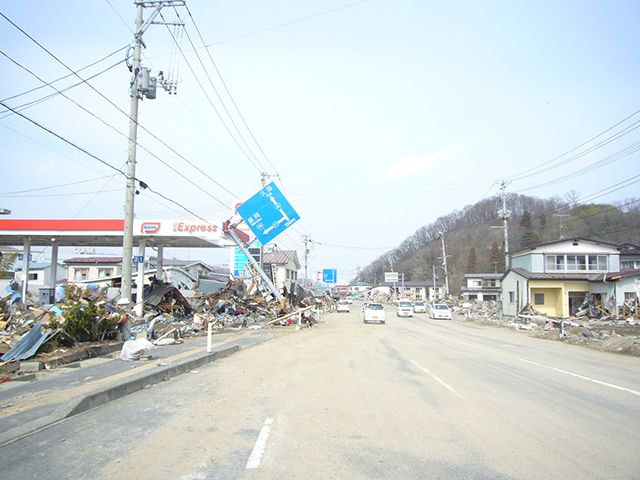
(428, 291)
(482, 287)
(283, 266)
(92, 267)
(557, 277)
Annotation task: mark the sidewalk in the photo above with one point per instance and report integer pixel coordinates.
(26, 407)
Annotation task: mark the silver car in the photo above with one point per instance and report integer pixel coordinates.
(441, 310)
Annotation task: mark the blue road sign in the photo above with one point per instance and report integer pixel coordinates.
(268, 213)
(329, 276)
(138, 259)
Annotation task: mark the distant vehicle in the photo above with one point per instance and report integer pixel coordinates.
(364, 306)
(349, 299)
(441, 310)
(420, 307)
(344, 306)
(405, 308)
(374, 312)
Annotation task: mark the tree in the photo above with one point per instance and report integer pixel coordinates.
(472, 262)
(7, 261)
(526, 220)
(497, 258)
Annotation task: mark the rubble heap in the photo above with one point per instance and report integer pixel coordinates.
(168, 314)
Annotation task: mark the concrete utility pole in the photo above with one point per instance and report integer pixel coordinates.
(444, 265)
(505, 216)
(307, 239)
(139, 87)
(434, 280)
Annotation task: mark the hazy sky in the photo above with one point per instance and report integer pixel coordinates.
(373, 117)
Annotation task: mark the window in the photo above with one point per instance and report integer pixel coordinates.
(629, 296)
(576, 262)
(538, 298)
(81, 274)
(105, 272)
(33, 276)
(477, 283)
(555, 262)
(512, 296)
(598, 262)
(630, 264)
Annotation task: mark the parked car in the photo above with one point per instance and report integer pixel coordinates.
(374, 312)
(420, 307)
(405, 308)
(344, 306)
(441, 310)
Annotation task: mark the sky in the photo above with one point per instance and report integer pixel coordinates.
(373, 117)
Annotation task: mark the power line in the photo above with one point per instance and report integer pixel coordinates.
(229, 93)
(259, 168)
(523, 175)
(285, 24)
(65, 76)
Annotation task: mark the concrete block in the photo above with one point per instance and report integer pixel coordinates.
(30, 367)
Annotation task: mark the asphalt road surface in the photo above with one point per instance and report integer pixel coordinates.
(412, 399)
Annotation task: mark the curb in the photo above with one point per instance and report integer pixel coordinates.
(109, 393)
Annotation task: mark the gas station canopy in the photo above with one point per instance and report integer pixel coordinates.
(110, 233)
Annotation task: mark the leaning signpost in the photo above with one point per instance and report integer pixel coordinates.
(268, 213)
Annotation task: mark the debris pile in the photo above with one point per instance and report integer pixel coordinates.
(86, 315)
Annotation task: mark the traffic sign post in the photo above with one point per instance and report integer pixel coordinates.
(268, 213)
(329, 275)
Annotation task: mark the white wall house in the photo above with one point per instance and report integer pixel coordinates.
(482, 287)
(416, 290)
(284, 266)
(556, 278)
(92, 267)
(40, 275)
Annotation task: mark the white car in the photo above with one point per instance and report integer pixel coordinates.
(420, 307)
(441, 310)
(374, 312)
(344, 306)
(405, 308)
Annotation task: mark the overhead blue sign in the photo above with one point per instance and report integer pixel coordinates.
(329, 276)
(268, 213)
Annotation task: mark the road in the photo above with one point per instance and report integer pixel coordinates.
(412, 399)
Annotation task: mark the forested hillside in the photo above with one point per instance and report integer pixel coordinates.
(471, 233)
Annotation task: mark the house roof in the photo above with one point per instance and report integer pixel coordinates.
(566, 240)
(613, 276)
(93, 260)
(580, 276)
(281, 257)
(36, 266)
(483, 275)
(411, 284)
(176, 262)
(573, 276)
(627, 248)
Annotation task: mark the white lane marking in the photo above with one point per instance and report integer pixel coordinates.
(258, 449)
(445, 385)
(559, 370)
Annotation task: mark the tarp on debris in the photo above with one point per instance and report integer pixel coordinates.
(29, 345)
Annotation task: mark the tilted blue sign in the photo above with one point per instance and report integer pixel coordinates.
(268, 213)
(329, 276)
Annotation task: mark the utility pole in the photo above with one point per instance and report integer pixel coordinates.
(140, 84)
(434, 280)
(505, 216)
(307, 239)
(444, 264)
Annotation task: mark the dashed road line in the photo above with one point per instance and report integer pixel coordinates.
(258, 449)
(440, 381)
